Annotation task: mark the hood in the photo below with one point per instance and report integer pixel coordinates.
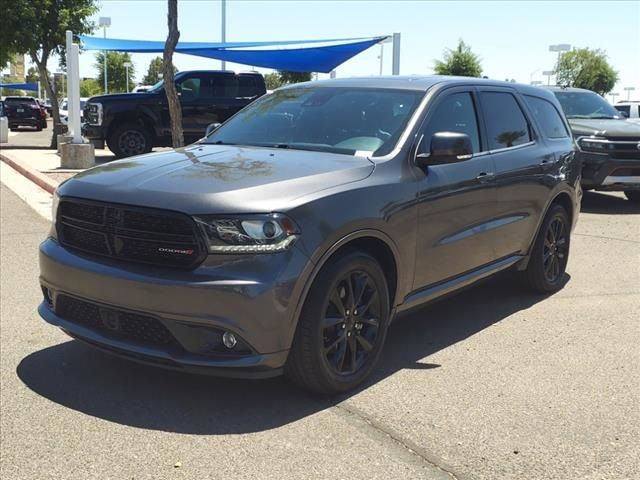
(127, 97)
(211, 179)
(604, 128)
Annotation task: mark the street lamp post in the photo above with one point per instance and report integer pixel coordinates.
(536, 82)
(224, 29)
(560, 47)
(613, 96)
(548, 73)
(126, 69)
(105, 22)
(381, 56)
(629, 90)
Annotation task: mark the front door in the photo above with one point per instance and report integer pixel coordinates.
(456, 201)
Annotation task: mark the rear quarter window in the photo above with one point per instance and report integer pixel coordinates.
(548, 117)
(507, 125)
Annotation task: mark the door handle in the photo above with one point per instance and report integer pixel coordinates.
(485, 177)
(546, 162)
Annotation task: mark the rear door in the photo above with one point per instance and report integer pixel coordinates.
(522, 162)
(457, 201)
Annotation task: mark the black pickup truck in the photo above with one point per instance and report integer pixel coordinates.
(133, 123)
(609, 145)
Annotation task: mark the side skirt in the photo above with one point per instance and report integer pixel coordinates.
(430, 293)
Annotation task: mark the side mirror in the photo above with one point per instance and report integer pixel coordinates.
(212, 127)
(446, 147)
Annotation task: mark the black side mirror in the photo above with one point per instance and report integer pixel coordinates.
(212, 127)
(446, 147)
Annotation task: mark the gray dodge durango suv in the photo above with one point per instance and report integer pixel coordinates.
(288, 239)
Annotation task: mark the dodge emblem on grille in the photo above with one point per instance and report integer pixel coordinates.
(186, 251)
(110, 319)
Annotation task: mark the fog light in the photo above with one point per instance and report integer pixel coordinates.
(229, 340)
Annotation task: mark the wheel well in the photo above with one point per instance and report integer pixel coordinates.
(564, 200)
(379, 250)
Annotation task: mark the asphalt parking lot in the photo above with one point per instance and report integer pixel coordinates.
(489, 384)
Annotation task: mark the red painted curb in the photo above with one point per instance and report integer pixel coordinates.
(35, 176)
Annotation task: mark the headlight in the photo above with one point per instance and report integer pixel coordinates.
(594, 144)
(248, 234)
(55, 200)
(94, 113)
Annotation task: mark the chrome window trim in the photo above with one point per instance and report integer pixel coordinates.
(515, 147)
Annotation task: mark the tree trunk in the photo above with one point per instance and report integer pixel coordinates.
(175, 110)
(45, 78)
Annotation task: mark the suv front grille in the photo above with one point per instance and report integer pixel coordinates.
(131, 234)
(140, 329)
(624, 148)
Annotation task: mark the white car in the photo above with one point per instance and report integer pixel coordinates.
(64, 109)
(630, 110)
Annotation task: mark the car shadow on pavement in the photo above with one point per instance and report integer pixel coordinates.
(600, 202)
(97, 384)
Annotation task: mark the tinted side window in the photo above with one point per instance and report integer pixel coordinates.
(456, 113)
(548, 117)
(247, 86)
(624, 108)
(506, 124)
(190, 88)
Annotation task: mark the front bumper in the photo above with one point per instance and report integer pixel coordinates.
(93, 132)
(255, 299)
(603, 172)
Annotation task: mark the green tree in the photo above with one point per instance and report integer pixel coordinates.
(585, 68)
(32, 75)
(154, 72)
(90, 87)
(116, 71)
(37, 28)
(461, 61)
(272, 80)
(294, 77)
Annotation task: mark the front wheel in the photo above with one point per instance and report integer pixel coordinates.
(128, 140)
(550, 253)
(633, 195)
(342, 327)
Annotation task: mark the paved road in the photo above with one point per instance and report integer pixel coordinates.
(490, 384)
(29, 137)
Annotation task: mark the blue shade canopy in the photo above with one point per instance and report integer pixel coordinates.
(20, 86)
(304, 59)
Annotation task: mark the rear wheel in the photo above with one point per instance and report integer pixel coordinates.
(128, 140)
(342, 326)
(548, 262)
(39, 127)
(633, 195)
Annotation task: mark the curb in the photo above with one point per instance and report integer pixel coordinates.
(35, 176)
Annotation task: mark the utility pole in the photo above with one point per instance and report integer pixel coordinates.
(224, 29)
(105, 22)
(126, 69)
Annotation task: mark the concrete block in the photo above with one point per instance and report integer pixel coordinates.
(63, 138)
(77, 155)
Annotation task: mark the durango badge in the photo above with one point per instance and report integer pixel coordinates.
(176, 250)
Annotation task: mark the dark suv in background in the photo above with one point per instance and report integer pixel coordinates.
(609, 144)
(290, 237)
(25, 111)
(134, 123)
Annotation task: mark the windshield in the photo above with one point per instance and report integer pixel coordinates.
(156, 86)
(351, 121)
(586, 105)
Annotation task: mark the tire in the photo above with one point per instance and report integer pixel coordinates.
(550, 253)
(321, 358)
(128, 140)
(39, 127)
(44, 123)
(633, 195)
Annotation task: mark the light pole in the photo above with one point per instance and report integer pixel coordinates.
(105, 22)
(613, 96)
(381, 56)
(548, 74)
(224, 29)
(629, 90)
(126, 69)
(536, 82)
(560, 47)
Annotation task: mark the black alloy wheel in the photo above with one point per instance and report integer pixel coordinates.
(129, 140)
(351, 322)
(342, 326)
(555, 249)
